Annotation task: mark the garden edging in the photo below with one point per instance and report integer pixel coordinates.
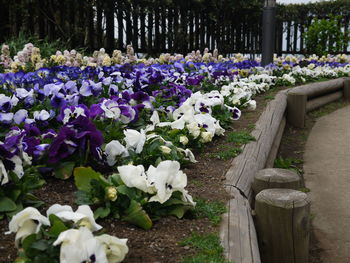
(237, 232)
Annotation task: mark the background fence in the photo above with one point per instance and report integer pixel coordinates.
(156, 26)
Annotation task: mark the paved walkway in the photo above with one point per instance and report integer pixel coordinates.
(327, 174)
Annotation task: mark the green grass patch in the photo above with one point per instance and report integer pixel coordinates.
(240, 137)
(210, 210)
(196, 182)
(269, 97)
(329, 108)
(209, 249)
(226, 154)
(288, 163)
(251, 127)
(304, 189)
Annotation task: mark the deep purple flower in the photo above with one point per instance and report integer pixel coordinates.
(76, 135)
(194, 81)
(140, 96)
(63, 145)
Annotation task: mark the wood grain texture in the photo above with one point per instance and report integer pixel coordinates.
(296, 109)
(317, 89)
(276, 178)
(346, 88)
(321, 101)
(237, 231)
(254, 156)
(276, 144)
(283, 225)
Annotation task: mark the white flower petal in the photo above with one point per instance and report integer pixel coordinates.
(116, 248)
(79, 245)
(134, 176)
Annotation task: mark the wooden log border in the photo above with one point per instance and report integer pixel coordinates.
(309, 97)
(237, 231)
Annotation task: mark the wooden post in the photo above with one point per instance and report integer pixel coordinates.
(275, 178)
(283, 225)
(347, 88)
(296, 109)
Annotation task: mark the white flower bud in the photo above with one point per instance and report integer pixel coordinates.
(183, 140)
(165, 149)
(111, 193)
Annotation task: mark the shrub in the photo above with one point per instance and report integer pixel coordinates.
(325, 36)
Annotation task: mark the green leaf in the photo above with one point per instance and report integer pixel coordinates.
(179, 211)
(102, 212)
(28, 241)
(137, 216)
(64, 170)
(83, 177)
(32, 200)
(115, 179)
(124, 190)
(83, 198)
(14, 194)
(40, 245)
(57, 225)
(7, 205)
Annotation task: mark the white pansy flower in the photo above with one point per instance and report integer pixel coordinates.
(189, 154)
(251, 105)
(115, 248)
(167, 178)
(135, 139)
(134, 176)
(185, 110)
(203, 105)
(206, 137)
(42, 115)
(83, 216)
(155, 118)
(68, 113)
(194, 130)
(111, 109)
(6, 117)
(207, 122)
(4, 179)
(22, 93)
(20, 116)
(113, 149)
(18, 169)
(26, 222)
(79, 245)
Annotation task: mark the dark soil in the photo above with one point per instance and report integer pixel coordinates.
(292, 147)
(159, 244)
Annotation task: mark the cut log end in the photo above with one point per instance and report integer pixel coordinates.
(283, 198)
(276, 178)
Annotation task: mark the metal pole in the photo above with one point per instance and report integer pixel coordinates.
(268, 32)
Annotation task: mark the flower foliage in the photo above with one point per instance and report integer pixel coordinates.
(65, 235)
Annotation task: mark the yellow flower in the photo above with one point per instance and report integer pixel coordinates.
(106, 61)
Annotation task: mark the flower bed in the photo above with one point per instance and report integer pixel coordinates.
(122, 131)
